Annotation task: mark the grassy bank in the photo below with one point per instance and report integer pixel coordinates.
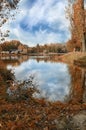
(73, 56)
(81, 62)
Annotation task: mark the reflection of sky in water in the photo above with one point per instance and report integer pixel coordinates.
(53, 79)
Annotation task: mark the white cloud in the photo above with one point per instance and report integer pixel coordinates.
(48, 12)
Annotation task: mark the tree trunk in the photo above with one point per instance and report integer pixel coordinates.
(85, 40)
(84, 31)
(84, 43)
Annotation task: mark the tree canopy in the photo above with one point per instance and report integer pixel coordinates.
(76, 14)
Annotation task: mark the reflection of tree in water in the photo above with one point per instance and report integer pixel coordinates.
(84, 84)
(48, 58)
(77, 91)
(78, 83)
(17, 60)
(14, 60)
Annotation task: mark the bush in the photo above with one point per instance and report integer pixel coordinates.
(5, 75)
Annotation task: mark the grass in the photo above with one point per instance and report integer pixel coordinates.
(71, 57)
(81, 61)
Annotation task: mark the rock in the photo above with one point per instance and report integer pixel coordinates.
(56, 121)
(79, 120)
(61, 124)
(46, 128)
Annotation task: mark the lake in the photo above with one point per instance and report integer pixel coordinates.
(55, 80)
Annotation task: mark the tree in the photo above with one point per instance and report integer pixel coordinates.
(9, 46)
(5, 13)
(77, 20)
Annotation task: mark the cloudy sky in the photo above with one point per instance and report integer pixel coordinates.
(40, 21)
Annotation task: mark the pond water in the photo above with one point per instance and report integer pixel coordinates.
(52, 79)
(55, 80)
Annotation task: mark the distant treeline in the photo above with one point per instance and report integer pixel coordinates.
(46, 48)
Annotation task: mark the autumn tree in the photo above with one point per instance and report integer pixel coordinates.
(6, 6)
(77, 18)
(11, 45)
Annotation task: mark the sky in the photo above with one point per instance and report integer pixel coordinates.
(39, 22)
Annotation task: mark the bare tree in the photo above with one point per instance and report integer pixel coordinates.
(6, 6)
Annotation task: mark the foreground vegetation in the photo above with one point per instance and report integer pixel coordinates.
(35, 114)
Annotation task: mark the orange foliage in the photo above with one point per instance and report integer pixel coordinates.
(78, 25)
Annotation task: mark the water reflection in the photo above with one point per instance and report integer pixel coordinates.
(53, 79)
(78, 83)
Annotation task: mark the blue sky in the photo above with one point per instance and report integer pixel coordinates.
(39, 21)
